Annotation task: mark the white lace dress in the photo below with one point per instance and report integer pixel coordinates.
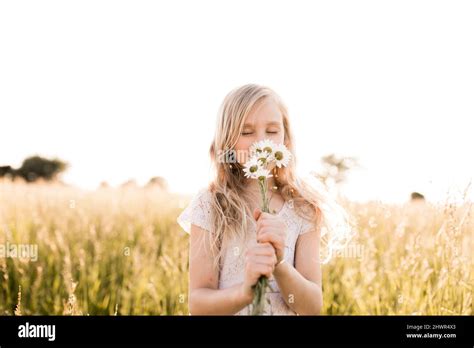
(232, 265)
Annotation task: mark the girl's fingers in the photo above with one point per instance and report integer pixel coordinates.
(264, 260)
(267, 222)
(257, 213)
(265, 228)
(269, 226)
(277, 244)
(260, 246)
(262, 249)
(266, 270)
(265, 237)
(266, 216)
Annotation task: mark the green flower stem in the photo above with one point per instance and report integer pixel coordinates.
(258, 303)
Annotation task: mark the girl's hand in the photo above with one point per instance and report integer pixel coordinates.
(260, 261)
(271, 229)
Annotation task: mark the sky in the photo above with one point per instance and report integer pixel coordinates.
(130, 90)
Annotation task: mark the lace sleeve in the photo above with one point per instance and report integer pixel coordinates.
(198, 212)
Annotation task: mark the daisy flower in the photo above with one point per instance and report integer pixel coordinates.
(281, 156)
(263, 146)
(251, 167)
(262, 174)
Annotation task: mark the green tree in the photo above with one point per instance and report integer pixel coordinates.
(158, 181)
(334, 169)
(37, 167)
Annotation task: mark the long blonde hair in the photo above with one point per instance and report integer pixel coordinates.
(229, 209)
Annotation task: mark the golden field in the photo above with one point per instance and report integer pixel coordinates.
(120, 251)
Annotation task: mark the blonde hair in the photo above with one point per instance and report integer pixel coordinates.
(229, 209)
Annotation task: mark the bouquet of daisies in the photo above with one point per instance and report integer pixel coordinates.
(264, 155)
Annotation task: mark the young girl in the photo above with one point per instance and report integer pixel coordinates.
(233, 243)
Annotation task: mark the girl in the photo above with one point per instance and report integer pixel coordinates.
(232, 243)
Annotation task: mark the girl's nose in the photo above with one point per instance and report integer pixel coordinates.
(261, 136)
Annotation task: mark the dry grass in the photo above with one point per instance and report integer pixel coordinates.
(415, 259)
(121, 252)
(103, 252)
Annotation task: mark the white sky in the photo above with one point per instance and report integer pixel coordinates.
(127, 89)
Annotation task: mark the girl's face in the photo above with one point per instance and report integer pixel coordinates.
(264, 121)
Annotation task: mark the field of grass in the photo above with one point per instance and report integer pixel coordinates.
(120, 251)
